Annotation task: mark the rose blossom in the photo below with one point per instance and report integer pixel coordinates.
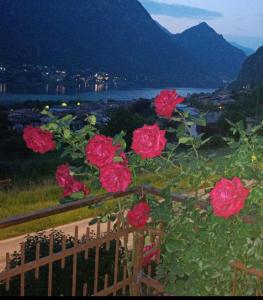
(139, 215)
(115, 177)
(74, 186)
(39, 140)
(228, 197)
(68, 182)
(149, 141)
(100, 151)
(166, 103)
(63, 175)
(147, 259)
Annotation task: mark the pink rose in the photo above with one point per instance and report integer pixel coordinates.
(74, 186)
(115, 177)
(228, 197)
(68, 182)
(166, 102)
(149, 141)
(139, 215)
(39, 140)
(63, 175)
(100, 151)
(151, 256)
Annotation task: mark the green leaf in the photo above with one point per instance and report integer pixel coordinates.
(77, 196)
(171, 246)
(67, 133)
(92, 120)
(186, 140)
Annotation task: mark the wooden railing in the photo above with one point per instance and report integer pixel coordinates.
(136, 279)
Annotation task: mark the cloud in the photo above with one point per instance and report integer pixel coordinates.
(179, 11)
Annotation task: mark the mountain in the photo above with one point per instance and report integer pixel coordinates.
(251, 72)
(246, 50)
(163, 28)
(114, 36)
(212, 51)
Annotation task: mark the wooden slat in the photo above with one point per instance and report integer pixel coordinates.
(113, 288)
(116, 264)
(124, 277)
(240, 266)
(74, 274)
(37, 260)
(87, 238)
(153, 283)
(96, 270)
(50, 265)
(85, 290)
(7, 263)
(108, 231)
(106, 281)
(22, 276)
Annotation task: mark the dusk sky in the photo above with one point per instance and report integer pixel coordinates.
(239, 21)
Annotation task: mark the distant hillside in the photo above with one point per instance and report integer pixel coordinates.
(210, 49)
(251, 72)
(114, 36)
(246, 50)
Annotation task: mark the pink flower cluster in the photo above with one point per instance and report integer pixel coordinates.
(100, 152)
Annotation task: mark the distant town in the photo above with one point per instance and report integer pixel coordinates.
(31, 74)
(29, 112)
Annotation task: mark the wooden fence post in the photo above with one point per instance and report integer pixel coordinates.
(138, 245)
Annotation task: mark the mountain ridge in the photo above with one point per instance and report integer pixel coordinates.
(251, 72)
(116, 36)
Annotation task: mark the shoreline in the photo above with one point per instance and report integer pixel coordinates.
(128, 95)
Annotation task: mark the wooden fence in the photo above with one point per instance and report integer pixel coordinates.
(79, 266)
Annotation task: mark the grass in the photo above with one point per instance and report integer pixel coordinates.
(31, 195)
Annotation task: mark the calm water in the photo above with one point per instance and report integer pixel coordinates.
(91, 95)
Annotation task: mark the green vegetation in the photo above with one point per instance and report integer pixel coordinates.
(39, 190)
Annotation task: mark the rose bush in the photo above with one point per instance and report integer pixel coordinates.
(199, 242)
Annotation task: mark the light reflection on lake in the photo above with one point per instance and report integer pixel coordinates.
(85, 93)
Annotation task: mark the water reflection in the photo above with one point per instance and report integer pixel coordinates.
(60, 89)
(100, 88)
(3, 88)
(53, 89)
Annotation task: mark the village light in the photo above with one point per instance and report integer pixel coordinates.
(64, 104)
(47, 107)
(78, 104)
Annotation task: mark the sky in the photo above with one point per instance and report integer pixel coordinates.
(239, 21)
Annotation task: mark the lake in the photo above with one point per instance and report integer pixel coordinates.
(95, 95)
